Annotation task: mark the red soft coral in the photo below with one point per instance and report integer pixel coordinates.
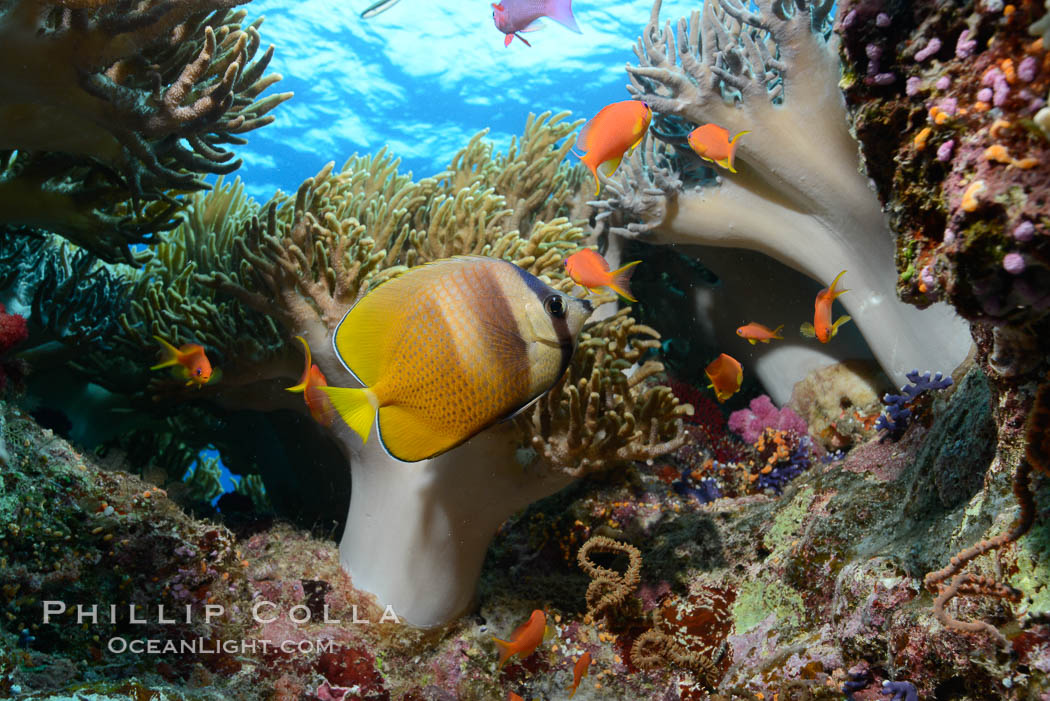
(13, 330)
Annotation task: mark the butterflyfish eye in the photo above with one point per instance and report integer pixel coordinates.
(198, 371)
(555, 306)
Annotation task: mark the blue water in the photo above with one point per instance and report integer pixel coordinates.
(424, 77)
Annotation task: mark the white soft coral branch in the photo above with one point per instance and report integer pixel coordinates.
(799, 195)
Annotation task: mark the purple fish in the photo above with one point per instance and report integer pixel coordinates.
(513, 16)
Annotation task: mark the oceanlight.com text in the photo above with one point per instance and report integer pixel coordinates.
(201, 646)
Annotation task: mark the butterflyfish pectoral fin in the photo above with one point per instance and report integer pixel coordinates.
(807, 330)
(752, 341)
(356, 406)
(839, 322)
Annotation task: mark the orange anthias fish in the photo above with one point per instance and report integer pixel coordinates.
(589, 269)
(726, 375)
(189, 360)
(822, 328)
(514, 697)
(712, 143)
(524, 640)
(757, 333)
(614, 131)
(579, 672)
(513, 16)
(309, 384)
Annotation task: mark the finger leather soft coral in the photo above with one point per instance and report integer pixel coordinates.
(800, 195)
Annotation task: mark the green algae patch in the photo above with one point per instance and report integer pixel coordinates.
(756, 600)
(1033, 568)
(788, 522)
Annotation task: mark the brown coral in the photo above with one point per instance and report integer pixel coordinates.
(117, 106)
(609, 589)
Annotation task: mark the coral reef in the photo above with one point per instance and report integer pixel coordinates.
(243, 280)
(688, 562)
(799, 190)
(898, 412)
(962, 178)
(762, 414)
(106, 109)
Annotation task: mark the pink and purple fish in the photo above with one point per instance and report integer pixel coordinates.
(514, 16)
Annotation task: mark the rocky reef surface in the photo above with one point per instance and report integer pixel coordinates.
(797, 595)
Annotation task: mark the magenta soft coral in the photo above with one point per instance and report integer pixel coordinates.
(13, 331)
(762, 414)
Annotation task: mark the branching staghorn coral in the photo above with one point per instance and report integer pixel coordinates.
(799, 195)
(139, 100)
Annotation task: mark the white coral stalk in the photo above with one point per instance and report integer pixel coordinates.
(416, 533)
(799, 195)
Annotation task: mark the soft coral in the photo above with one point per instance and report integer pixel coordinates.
(13, 330)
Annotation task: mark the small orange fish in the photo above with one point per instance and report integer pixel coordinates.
(822, 328)
(589, 269)
(614, 131)
(726, 375)
(712, 143)
(317, 402)
(189, 360)
(524, 640)
(579, 671)
(757, 333)
(514, 697)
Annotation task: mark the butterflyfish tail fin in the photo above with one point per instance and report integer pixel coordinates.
(839, 322)
(171, 356)
(727, 163)
(356, 406)
(776, 332)
(620, 280)
(807, 330)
